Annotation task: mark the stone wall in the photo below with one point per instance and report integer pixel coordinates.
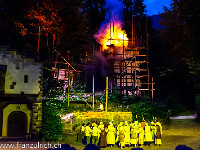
(22, 74)
(23, 78)
(37, 113)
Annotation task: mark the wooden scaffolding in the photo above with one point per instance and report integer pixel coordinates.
(130, 70)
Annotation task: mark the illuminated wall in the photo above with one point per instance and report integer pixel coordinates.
(22, 74)
(20, 91)
(12, 108)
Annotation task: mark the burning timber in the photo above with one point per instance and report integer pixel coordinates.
(129, 60)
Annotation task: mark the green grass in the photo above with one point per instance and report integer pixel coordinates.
(186, 113)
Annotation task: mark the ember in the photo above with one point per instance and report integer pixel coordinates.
(110, 33)
(113, 35)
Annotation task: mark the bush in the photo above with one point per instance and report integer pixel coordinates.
(52, 107)
(51, 125)
(118, 98)
(148, 110)
(174, 105)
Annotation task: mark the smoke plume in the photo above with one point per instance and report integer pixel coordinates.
(114, 13)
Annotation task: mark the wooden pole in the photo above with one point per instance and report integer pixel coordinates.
(93, 93)
(152, 89)
(147, 50)
(68, 88)
(123, 48)
(113, 28)
(132, 33)
(38, 48)
(106, 93)
(135, 75)
(110, 36)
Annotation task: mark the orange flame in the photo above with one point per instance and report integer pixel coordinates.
(117, 37)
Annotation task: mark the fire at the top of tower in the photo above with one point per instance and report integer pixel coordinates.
(110, 32)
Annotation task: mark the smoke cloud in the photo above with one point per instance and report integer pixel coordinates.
(114, 13)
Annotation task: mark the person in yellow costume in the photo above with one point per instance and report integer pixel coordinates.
(141, 136)
(101, 106)
(153, 128)
(118, 127)
(126, 133)
(158, 133)
(143, 123)
(136, 124)
(147, 135)
(88, 132)
(121, 135)
(101, 126)
(83, 133)
(95, 134)
(134, 135)
(111, 135)
(95, 122)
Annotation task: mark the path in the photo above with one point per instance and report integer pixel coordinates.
(180, 132)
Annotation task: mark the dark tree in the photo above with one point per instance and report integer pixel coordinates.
(182, 28)
(136, 21)
(94, 12)
(182, 31)
(10, 12)
(45, 27)
(178, 56)
(75, 37)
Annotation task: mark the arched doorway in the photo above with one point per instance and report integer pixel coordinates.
(17, 124)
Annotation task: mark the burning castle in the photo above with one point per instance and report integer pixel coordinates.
(128, 58)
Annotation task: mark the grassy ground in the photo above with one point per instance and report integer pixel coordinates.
(186, 113)
(179, 132)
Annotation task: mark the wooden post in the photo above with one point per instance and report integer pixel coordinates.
(38, 48)
(123, 49)
(132, 33)
(135, 76)
(68, 80)
(110, 30)
(152, 89)
(106, 93)
(93, 93)
(68, 88)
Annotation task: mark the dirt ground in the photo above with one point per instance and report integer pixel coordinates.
(180, 132)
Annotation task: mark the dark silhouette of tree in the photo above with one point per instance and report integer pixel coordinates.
(182, 31)
(182, 28)
(178, 56)
(47, 28)
(10, 12)
(94, 13)
(136, 21)
(75, 36)
(33, 27)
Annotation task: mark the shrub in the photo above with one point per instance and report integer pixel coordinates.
(51, 125)
(148, 110)
(52, 107)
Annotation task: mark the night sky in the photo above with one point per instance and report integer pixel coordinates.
(154, 7)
